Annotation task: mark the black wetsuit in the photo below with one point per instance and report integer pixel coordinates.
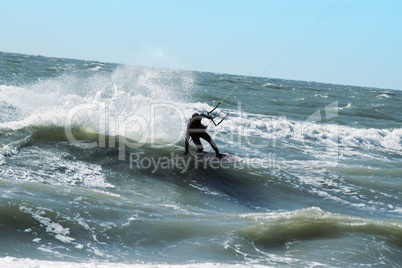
(196, 130)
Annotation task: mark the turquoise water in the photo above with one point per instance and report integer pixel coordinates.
(92, 169)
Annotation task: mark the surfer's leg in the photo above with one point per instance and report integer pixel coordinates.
(208, 138)
(196, 139)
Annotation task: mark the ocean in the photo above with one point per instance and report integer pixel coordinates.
(92, 171)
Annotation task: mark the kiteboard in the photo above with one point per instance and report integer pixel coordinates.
(211, 157)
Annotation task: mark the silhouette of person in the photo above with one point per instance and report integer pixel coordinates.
(196, 130)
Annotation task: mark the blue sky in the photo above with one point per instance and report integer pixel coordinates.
(358, 42)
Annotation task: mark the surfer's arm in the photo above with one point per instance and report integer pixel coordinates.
(206, 116)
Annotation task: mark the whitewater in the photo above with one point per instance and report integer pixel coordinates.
(92, 171)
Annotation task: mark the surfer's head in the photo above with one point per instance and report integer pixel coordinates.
(196, 118)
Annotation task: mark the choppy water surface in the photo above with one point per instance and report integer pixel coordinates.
(92, 169)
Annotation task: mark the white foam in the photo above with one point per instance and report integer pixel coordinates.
(151, 106)
(54, 228)
(326, 134)
(138, 103)
(13, 262)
